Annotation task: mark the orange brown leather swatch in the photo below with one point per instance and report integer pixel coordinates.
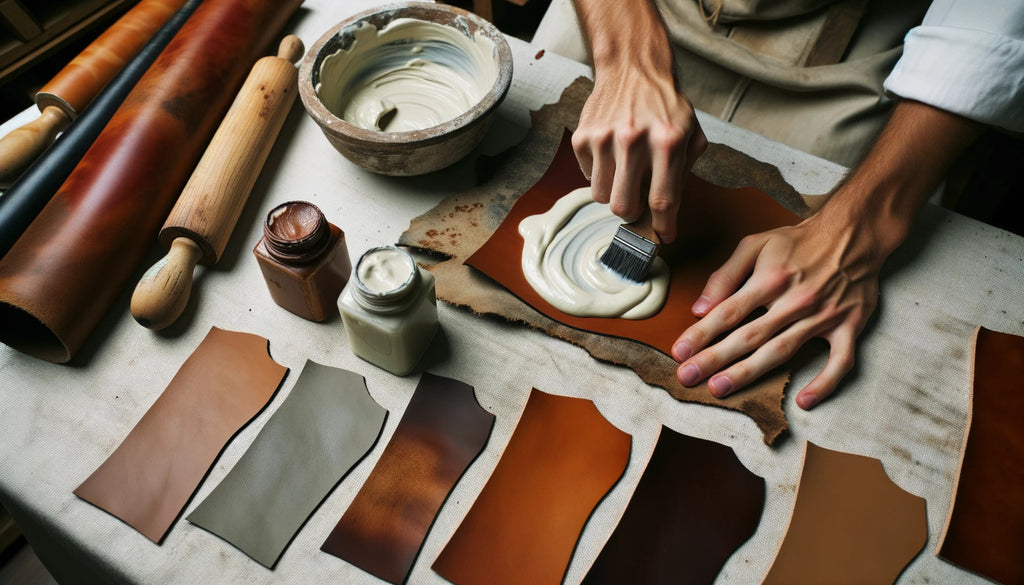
(441, 433)
(325, 426)
(675, 529)
(713, 221)
(561, 460)
(850, 524)
(984, 532)
(150, 477)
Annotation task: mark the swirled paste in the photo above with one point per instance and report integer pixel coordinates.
(561, 261)
(411, 75)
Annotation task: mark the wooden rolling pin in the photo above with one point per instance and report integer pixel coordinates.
(198, 228)
(71, 90)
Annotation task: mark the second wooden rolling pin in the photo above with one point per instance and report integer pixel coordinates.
(198, 228)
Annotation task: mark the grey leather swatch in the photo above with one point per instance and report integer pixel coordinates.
(323, 428)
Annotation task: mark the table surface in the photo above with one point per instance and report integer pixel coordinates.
(905, 403)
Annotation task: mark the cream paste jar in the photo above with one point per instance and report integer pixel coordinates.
(389, 309)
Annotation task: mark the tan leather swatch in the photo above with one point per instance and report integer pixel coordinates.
(328, 423)
(562, 459)
(984, 531)
(713, 221)
(441, 433)
(675, 529)
(150, 477)
(463, 222)
(850, 524)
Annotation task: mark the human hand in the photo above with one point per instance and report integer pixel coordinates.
(816, 279)
(637, 130)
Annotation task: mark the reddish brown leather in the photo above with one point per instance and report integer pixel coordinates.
(441, 433)
(694, 506)
(150, 477)
(985, 529)
(70, 264)
(561, 460)
(712, 222)
(850, 524)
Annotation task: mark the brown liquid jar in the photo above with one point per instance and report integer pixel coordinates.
(304, 260)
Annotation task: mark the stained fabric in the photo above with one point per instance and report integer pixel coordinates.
(325, 426)
(152, 474)
(441, 433)
(850, 524)
(984, 531)
(561, 460)
(694, 506)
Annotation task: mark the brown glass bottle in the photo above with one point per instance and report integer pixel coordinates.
(304, 260)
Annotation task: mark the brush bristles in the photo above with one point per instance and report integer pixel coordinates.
(629, 255)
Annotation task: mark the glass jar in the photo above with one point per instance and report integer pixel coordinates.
(304, 260)
(389, 309)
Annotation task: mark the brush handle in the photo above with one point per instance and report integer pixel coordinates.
(23, 145)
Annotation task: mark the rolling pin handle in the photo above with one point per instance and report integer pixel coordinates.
(162, 293)
(20, 148)
(291, 49)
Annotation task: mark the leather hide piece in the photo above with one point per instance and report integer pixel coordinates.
(463, 223)
(984, 531)
(562, 459)
(675, 529)
(150, 477)
(442, 431)
(328, 423)
(67, 269)
(850, 524)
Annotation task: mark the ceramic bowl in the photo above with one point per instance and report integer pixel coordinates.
(411, 152)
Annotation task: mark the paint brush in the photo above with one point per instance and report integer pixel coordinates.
(633, 249)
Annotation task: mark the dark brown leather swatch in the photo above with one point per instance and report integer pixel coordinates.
(714, 219)
(150, 477)
(441, 433)
(562, 459)
(984, 531)
(676, 529)
(850, 524)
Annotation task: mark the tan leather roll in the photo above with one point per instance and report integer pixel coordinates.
(87, 74)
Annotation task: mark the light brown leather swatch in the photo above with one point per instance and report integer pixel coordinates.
(441, 433)
(150, 477)
(325, 426)
(562, 459)
(850, 524)
(694, 506)
(713, 221)
(984, 531)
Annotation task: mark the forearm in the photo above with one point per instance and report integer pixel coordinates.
(625, 36)
(903, 168)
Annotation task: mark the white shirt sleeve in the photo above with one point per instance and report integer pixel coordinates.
(967, 57)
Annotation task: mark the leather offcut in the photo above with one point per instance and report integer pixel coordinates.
(442, 431)
(562, 459)
(984, 531)
(150, 477)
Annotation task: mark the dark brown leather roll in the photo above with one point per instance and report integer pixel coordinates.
(523, 528)
(984, 532)
(441, 433)
(695, 505)
(152, 474)
(65, 271)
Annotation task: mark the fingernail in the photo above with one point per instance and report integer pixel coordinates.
(689, 374)
(682, 351)
(807, 401)
(720, 386)
(701, 306)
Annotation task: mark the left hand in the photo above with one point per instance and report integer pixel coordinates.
(816, 279)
